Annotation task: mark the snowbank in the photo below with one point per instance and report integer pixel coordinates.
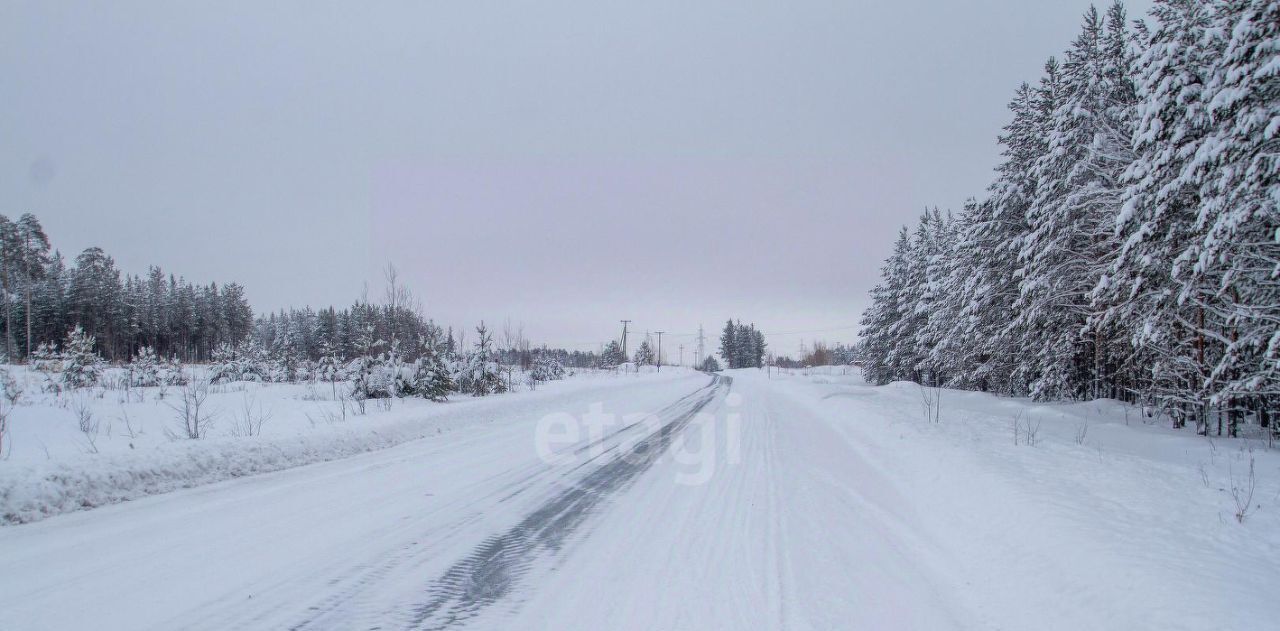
(133, 450)
(1049, 511)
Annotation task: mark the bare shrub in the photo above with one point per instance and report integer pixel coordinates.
(931, 403)
(4, 431)
(1242, 488)
(252, 417)
(128, 424)
(329, 415)
(1025, 431)
(193, 419)
(1082, 430)
(12, 389)
(86, 422)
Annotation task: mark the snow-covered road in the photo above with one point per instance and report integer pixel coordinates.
(742, 502)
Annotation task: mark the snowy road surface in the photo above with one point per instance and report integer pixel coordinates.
(742, 502)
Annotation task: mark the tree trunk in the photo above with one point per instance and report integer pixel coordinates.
(28, 319)
(8, 324)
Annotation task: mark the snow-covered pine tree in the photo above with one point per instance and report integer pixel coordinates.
(479, 374)
(644, 354)
(431, 377)
(612, 355)
(1072, 244)
(986, 349)
(144, 370)
(81, 365)
(729, 344)
(1236, 168)
(879, 321)
(546, 367)
(938, 303)
(1147, 288)
(31, 263)
(904, 353)
(758, 346)
(328, 368)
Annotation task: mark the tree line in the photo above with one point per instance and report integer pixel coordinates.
(366, 329)
(1129, 246)
(822, 354)
(45, 297)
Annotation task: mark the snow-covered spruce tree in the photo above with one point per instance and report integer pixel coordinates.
(612, 355)
(984, 348)
(479, 374)
(1072, 243)
(230, 363)
(399, 375)
(282, 368)
(367, 378)
(747, 342)
(729, 344)
(1237, 168)
(431, 376)
(905, 355)
(171, 373)
(744, 343)
(546, 368)
(879, 321)
(644, 354)
(81, 365)
(1149, 288)
(940, 309)
(961, 330)
(144, 370)
(45, 358)
(709, 364)
(758, 347)
(328, 368)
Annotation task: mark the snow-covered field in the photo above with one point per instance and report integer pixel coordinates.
(133, 443)
(807, 500)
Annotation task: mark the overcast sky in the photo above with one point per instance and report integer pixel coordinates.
(560, 164)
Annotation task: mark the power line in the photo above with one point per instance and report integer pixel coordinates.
(839, 328)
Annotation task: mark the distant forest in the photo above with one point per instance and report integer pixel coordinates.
(45, 297)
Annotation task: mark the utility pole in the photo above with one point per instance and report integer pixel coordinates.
(624, 339)
(697, 361)
(659, 349)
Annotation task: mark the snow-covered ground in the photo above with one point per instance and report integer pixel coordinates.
(750, 500)
(135, 445)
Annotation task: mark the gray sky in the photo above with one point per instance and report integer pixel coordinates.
(560, 164)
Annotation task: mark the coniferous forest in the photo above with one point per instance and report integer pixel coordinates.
(45, 296)
(88, 308)
(1129, 246)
